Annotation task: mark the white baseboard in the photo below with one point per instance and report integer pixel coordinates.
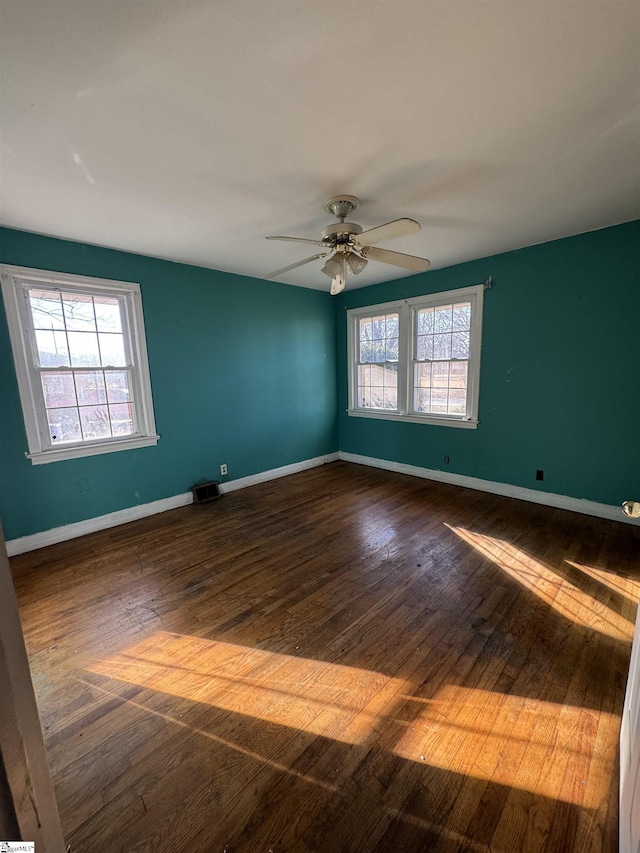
(113, 519)
(90, 525)
(586, 507)
(122, 516)
(274, 473)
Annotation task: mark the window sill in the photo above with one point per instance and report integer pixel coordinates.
(58, 454)
(413, 419)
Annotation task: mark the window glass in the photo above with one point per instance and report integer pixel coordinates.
(377, 370)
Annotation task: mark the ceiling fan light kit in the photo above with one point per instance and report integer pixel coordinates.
(351, 248)
(333, 267)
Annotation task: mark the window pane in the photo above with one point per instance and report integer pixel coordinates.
(366, 351)
(439, 400)
(46, 310)
(460, 345)
(458, 374)
(52, 349)
(107, 314)
(112, 350)
(443, 318)
(90, 387)
(379, 338)
(364, 374)
(425, 348)
(84, 349)
(390, 398)
(393, 322)
(121, 419)
(64, 425)
(457, 401)
(58, 390)
(392, 349)
(117, 386)
(440, 375)
(364, 397)
(78, 312)
(377, 397)
(365, 329)
(377, 386)
(462, 316)
(448, 382)
(441, 346)
(378, 351)
(95, 422)
(425, 321)
(378, 328)
(422, 400)
(423, 376)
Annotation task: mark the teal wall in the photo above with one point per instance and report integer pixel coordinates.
(243, 371)
(560, 375)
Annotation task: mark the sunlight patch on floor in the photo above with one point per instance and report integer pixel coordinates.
(338, 702)
(515, 741)
(566, 598)
(220, 741)
(626, 587)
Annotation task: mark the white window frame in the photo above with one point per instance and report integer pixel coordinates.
(16, 282)
(407, 310)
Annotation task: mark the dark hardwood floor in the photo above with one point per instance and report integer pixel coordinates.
(341, 660)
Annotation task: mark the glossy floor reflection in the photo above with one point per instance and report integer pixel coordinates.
(344, 660)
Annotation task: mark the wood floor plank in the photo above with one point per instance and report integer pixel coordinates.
(343, 660)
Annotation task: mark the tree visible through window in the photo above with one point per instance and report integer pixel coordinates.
(418, 359)
(73, 332)
(378, 361)
(81, 363)
(441, 360)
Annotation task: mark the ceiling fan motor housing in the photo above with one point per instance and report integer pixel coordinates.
(341, 232)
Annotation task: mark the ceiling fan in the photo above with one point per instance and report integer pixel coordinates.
(351, 248)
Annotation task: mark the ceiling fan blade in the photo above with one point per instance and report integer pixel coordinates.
(299, 240)
(388, 231)
(398, 259)
(297, 264)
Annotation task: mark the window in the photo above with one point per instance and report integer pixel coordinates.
(378, 361)
(81, 362)
(417, 360)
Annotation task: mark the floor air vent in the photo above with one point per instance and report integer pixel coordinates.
(205, 492)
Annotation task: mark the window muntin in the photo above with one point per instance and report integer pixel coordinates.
(436, 363)
(74, 331)
(377, 365)
(81, 363)
(441, 342)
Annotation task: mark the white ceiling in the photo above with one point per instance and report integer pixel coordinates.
(191, 130)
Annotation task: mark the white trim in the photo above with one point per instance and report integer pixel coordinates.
(75, 451)
(460, 294)
(122, 516)
(275, 473)
(630, 754)
(445, 420)
(91, 525)
(113, 519)
(64, 279)
(614, 513)
(407, 309)
(378, 308)
(15, 281)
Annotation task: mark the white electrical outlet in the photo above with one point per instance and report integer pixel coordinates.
(223, 470)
